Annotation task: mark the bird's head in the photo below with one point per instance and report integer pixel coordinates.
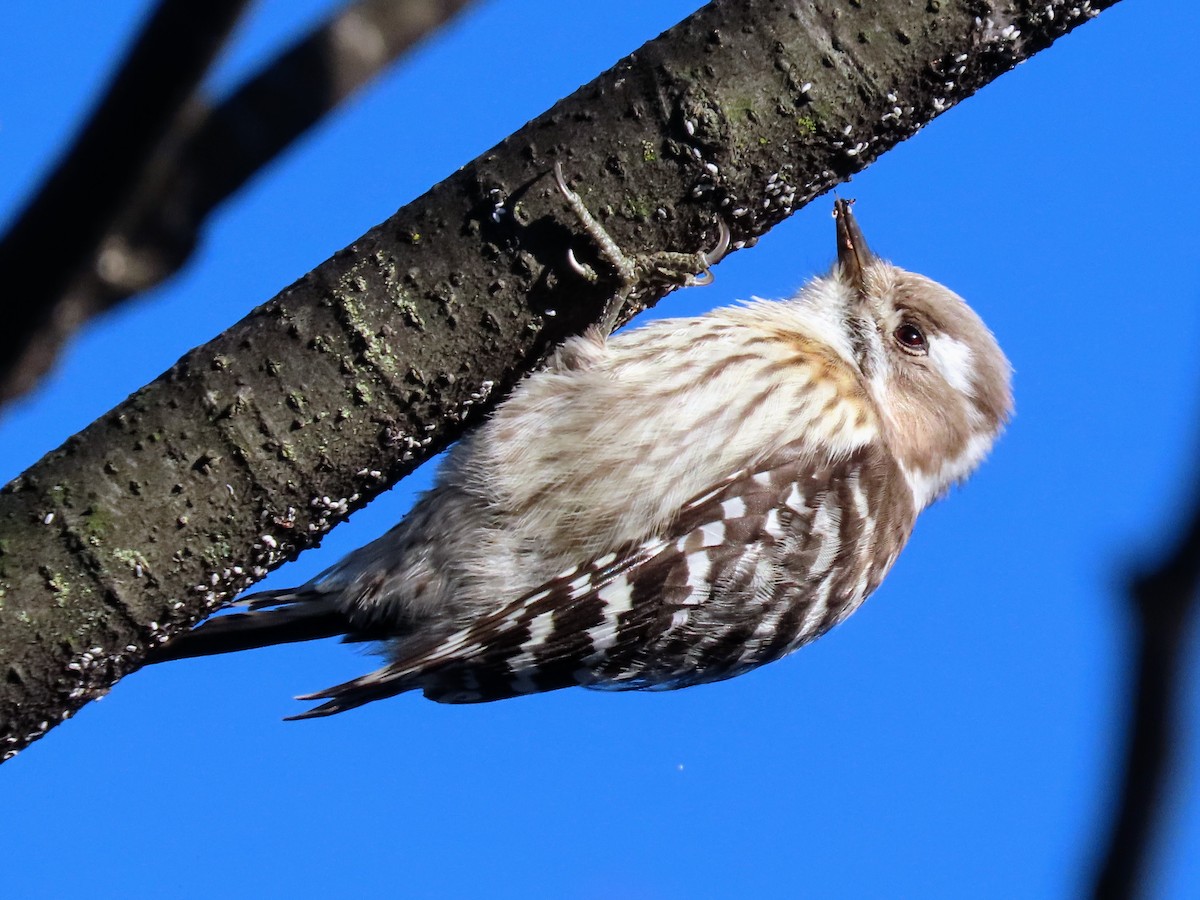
(938, 378)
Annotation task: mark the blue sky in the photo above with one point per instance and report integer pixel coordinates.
(954, 738)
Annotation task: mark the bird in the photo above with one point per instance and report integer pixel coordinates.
(670, 505)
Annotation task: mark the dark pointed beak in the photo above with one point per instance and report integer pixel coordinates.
(853, 253)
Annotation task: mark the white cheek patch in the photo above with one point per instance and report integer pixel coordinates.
(955, 361)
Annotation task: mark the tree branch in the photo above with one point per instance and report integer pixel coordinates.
(1163, 603)
(207, 154)
(56, 235)
(216, 150)
(252, 446)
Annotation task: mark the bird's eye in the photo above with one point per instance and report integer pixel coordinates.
(911, 339)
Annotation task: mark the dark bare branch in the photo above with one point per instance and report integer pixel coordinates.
(1163, 603)
(255, 444)
(211, 151)
(222, 147)
(56, 236)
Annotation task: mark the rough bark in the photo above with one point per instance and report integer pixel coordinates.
(253, 445)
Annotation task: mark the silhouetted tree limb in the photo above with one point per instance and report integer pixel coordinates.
(56, 235)
(1163, 603)
(209, 152)
(255, 444)
(225, 145)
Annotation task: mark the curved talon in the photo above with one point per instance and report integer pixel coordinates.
(561, 181)
(581, 269)
(717, 253)
(669, 268)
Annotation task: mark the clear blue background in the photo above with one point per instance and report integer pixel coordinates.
(954, 739)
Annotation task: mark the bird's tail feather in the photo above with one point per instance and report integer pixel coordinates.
(273, 617)
(378, 685)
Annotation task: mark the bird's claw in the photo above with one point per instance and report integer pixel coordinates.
(667, 267)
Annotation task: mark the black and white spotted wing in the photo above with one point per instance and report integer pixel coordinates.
(749, 571)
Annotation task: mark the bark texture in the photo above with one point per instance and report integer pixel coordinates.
(252, 446)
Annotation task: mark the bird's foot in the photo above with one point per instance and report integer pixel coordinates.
(634, 272)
